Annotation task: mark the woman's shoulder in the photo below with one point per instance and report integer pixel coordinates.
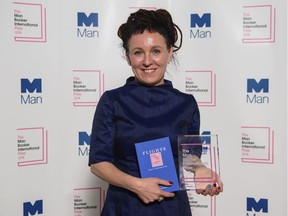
(114, 94)
(179, 93)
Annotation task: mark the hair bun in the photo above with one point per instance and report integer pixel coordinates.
(153, 21)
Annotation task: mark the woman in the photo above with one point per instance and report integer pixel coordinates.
(147, 107)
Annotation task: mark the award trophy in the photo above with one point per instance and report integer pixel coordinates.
(196, 151)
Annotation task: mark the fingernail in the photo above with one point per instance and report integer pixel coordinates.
(170, 182)
(214, 185)
(219, 188)
(208, 186)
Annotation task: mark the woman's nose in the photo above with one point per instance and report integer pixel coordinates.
(147, 60)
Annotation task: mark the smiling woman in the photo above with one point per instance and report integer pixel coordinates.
(149, 39)
(147, 107)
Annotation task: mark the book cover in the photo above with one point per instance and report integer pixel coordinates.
(155, 159)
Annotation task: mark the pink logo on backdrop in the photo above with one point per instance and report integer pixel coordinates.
(202, 85)
(29, 22)
(32, 145)
(257, 144)
(259, 24)
(88, 201)
(202, 205)
(156, 159)
(88, 86)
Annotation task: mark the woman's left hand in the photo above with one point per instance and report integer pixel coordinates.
(207, 182)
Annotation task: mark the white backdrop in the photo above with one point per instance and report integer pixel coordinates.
(57, 58)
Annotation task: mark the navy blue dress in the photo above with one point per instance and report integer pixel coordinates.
(136, 113)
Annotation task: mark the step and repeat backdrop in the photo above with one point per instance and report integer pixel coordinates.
(58, 57)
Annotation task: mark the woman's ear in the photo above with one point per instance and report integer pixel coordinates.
(170, 54)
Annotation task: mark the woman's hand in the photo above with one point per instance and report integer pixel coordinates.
(148, 189)
(207, 181)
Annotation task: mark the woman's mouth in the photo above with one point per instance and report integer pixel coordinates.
(148, 70)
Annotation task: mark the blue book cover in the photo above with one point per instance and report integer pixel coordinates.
(155, 159)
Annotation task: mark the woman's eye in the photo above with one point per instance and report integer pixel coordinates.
(137, 52)
(156, 51)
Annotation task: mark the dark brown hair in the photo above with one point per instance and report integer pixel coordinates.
(152, 21)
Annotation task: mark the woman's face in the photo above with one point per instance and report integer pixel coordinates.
(148, 56)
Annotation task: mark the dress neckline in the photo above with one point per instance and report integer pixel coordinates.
(132, 82)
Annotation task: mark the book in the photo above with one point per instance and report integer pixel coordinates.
(155, 159)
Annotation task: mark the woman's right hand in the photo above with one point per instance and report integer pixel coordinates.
(148, 189)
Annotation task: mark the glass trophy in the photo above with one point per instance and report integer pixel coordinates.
(190, 148)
